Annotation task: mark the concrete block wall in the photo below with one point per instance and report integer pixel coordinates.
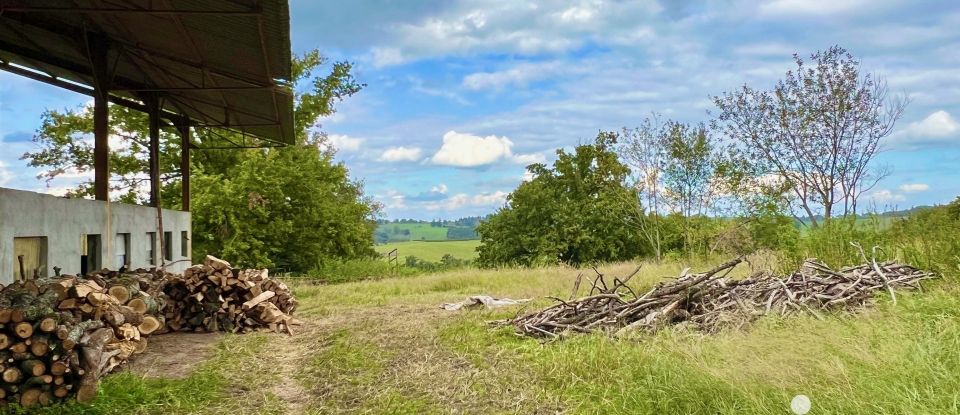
(64, 222)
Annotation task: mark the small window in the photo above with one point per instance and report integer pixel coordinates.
(184, 245)
(29, 258)
(121, 250)
(168, 246)
(151, 248)
(90, 252)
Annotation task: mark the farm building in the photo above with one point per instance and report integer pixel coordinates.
(199, 65)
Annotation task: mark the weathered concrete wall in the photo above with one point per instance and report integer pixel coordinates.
(65, 221)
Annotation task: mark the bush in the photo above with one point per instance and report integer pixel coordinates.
(929, 238)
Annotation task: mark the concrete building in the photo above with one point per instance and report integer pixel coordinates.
(77, 235)
(222, 67)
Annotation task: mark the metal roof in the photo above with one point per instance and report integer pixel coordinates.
(219, 63)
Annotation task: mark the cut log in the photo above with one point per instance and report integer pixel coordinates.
(30, 398)
(266, 295)
(83, 288)
(149, 325)
(23, 329)
(58, 368)
(33, 367)
(12, 375)
(39, 345)
(216, 263)
(48, 324)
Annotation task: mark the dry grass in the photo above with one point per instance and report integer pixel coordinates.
(384, 347)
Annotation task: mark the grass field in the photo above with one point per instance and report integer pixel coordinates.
(419, 231)
(432, 251)
(383, 347)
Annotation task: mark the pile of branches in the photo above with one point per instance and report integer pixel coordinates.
(710, 301)
(213, 296)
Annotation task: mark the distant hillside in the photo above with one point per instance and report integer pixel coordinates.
(401, 230)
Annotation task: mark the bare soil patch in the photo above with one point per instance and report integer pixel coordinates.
(174, 355)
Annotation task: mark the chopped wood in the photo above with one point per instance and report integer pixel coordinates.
(59, 336)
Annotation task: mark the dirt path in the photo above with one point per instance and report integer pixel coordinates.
(379, 359)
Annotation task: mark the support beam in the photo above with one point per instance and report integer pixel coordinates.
(153, 111)
(185, 166)
(97, 49)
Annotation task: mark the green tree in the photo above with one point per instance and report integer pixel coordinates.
(818, 130)
(573, 212)
(688, 178)
(290, 207)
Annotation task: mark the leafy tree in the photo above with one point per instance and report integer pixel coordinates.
(291, 207)
(688, 175)
(643, 150)
(818, 131)
(573, 212)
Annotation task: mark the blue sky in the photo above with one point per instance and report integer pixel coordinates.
(462, 94)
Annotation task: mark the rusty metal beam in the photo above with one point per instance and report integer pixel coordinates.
(184, 167)
(97, 53)
(153, 112)
(93, 10)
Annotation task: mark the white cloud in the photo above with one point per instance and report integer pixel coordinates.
(397, 154)
(395, 200)
(578, 14)
(519, 75)
(440, 188)
(939, 124)
(459, 200)
(914, 187)
(531, 158)
(810, 7)
(467, 150)
(490, 199)
(886, 196)
(345, 143)
(5, 175)
(937, 128)
(530, 28)
(382, 57)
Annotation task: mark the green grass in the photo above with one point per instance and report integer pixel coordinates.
(384, 347)
(432, 251)
(228, 383)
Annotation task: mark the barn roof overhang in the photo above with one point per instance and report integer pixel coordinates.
(219, 64)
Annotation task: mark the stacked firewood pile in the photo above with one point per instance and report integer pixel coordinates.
(710, 301)
(59, 336)
(215, 297)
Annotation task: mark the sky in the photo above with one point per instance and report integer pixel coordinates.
(462, 95)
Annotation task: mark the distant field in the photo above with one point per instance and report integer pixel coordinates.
(419, 231)
(432, 251)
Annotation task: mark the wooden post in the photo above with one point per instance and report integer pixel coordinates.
(185, 166)
(97, 50)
